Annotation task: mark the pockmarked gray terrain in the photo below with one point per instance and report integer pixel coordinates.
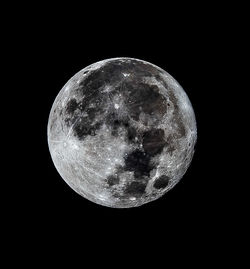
(122, 132)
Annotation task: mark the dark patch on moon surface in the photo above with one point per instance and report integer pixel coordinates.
(141, 97)
(71, 106)
(132, 134)
(137, 95)
(161, 182)
(111, 73)
(136, 188)
(82, 115)
(113, 180)
(153, 141)
(139, 163)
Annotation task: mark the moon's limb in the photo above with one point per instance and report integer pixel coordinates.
(122, 132)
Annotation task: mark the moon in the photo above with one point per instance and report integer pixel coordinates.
(121, 132)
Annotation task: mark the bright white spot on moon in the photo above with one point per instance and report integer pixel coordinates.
(126, 74)
(74, 146)
(103, 198)
(116, 106)
(107, 88)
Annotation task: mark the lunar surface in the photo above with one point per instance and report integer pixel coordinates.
(122, 132)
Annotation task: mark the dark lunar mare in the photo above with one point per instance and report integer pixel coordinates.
(154, 141)
(136, 189)
(71, 106)
(161, 182)
(137, 95)
(113, 180)
(139, 163)
(141, 97)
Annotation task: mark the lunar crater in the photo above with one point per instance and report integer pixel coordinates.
(121, 132)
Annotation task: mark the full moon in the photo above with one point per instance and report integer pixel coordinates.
(121, 132)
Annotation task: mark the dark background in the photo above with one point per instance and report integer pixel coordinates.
(187, 42)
